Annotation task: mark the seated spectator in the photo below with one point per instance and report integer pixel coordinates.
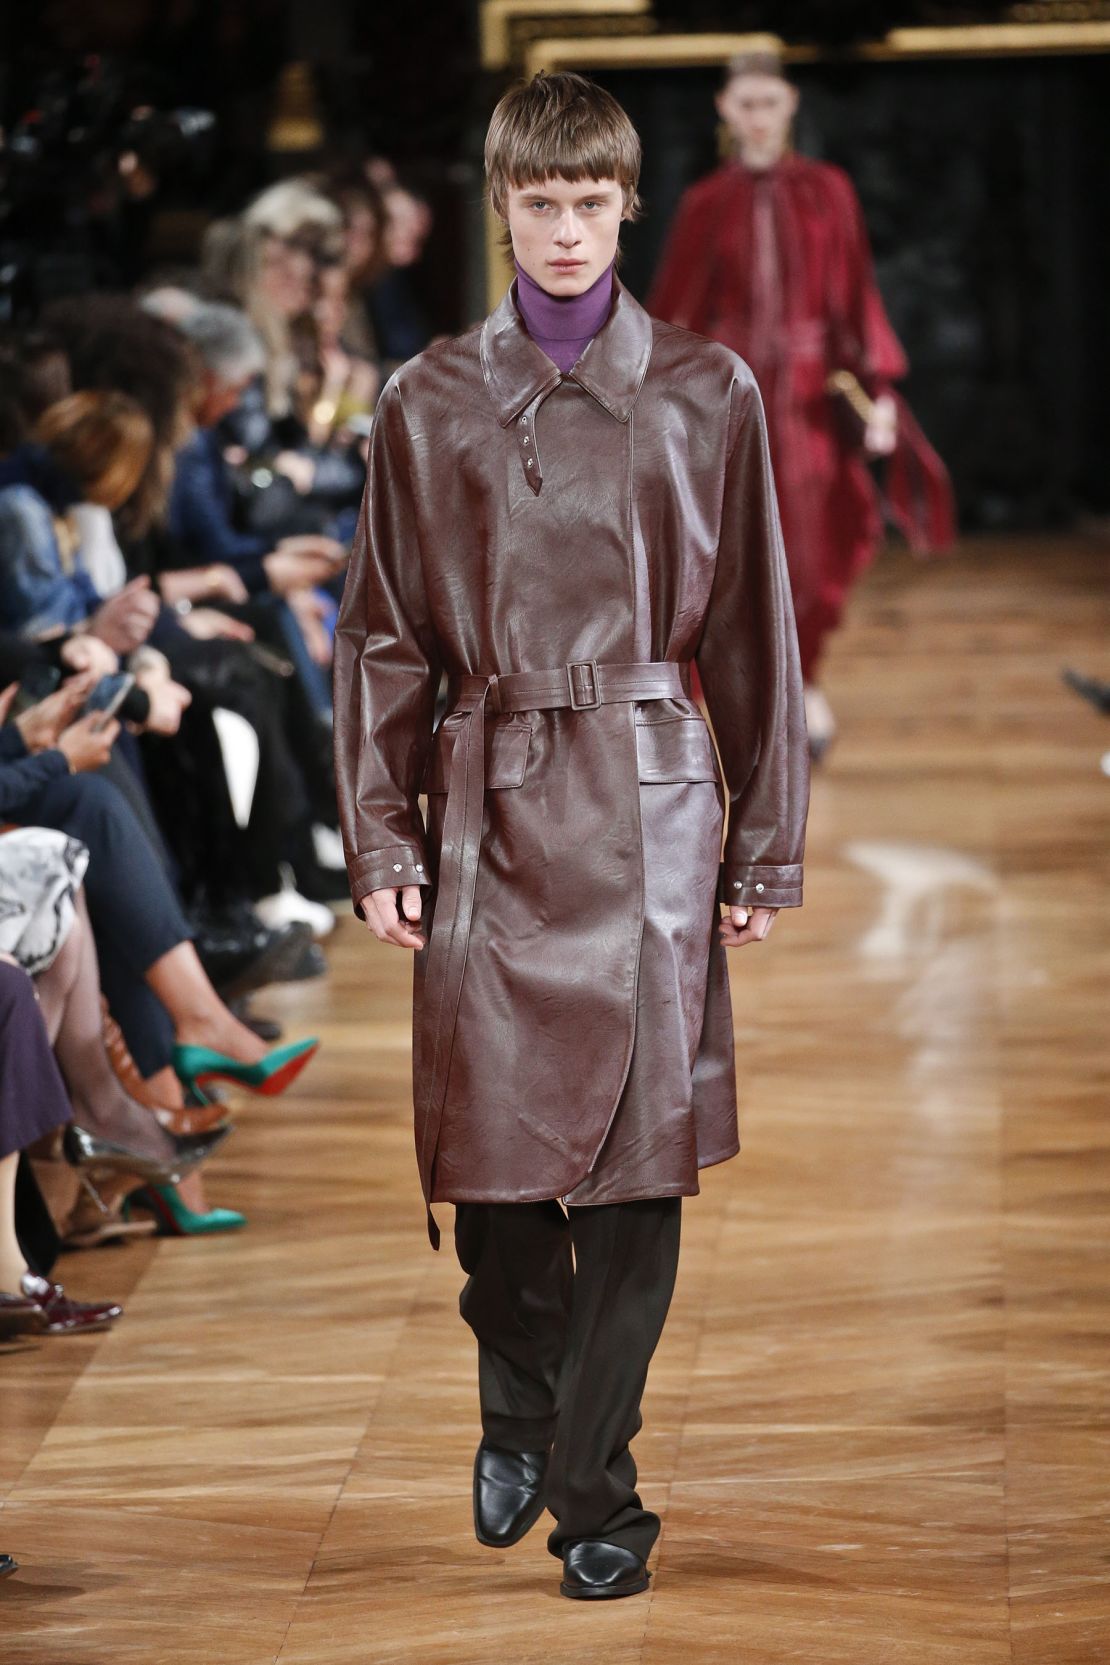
(175, 1024)
(34, 374)
(33, 1104)
(229, 355)
(364, 259)
(89, 448)
(112, 343)
(284, 241)
(400, 326)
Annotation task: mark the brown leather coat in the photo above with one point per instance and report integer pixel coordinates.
(600, 530)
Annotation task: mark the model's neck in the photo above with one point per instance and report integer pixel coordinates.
(762, 161)
(563, 325)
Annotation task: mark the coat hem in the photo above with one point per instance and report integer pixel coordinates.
(560, 1196)
(640, 1194)
(725, 1156)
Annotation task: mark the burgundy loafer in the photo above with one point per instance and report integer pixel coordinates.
(20, 1316)
(65, 1317)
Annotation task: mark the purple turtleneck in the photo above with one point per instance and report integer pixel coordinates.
(563, 326)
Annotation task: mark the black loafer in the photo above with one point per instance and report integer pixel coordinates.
(508, 1494)
(597, 1571)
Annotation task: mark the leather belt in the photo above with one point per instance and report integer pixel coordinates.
(583, 686)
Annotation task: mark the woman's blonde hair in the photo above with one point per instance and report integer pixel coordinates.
(294, 212)
(560, 126)
(103, 441)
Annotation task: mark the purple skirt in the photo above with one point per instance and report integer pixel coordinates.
(33, 1098)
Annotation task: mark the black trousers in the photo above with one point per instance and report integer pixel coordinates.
(568, 1307)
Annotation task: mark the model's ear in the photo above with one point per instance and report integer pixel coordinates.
(794, 98)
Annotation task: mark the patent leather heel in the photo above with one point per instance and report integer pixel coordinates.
(96, 1158)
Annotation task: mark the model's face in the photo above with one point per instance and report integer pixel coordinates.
(565, 234)
(758, 111)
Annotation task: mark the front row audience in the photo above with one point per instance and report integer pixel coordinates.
(179, 480)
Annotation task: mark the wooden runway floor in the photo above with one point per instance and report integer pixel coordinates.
(878, 1427)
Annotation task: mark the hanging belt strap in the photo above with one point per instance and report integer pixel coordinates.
(582, 686)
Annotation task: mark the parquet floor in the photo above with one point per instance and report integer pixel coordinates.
(879, 1423)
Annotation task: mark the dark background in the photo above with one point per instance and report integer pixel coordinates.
(985, 188)
(984, 185)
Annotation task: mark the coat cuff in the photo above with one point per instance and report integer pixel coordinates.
(401, 864)
(761, 886)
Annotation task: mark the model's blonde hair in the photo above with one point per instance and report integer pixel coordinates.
(560, 126)
(761, 61)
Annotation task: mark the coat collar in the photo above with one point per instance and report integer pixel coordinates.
(611, 370)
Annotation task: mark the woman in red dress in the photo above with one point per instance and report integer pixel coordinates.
(769, 254)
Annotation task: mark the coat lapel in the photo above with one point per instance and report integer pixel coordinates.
(611, 370)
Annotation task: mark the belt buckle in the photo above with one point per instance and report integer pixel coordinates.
(589, 666)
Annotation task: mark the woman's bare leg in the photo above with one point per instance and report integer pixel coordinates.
(192, 1193)
(199, 1015)
(12, 1263)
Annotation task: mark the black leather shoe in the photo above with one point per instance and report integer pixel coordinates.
(597, 1571)
(8, 1566)
(508, 1494)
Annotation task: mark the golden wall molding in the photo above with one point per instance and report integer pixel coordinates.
(694, 51)
(503, 22)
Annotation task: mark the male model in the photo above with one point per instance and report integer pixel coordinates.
(567, 508)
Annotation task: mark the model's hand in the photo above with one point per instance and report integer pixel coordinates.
(380, 911)
(743, 925)
(881, 434)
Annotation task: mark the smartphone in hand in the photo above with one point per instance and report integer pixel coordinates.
(108, 695)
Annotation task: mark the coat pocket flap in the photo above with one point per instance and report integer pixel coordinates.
(506, 755)
(675, 750)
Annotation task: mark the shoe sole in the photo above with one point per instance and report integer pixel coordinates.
(271, 1088)
(28, 1322)
(604, 1592)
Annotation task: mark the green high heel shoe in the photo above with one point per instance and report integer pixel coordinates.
(175, 1219)
(196, 1066)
